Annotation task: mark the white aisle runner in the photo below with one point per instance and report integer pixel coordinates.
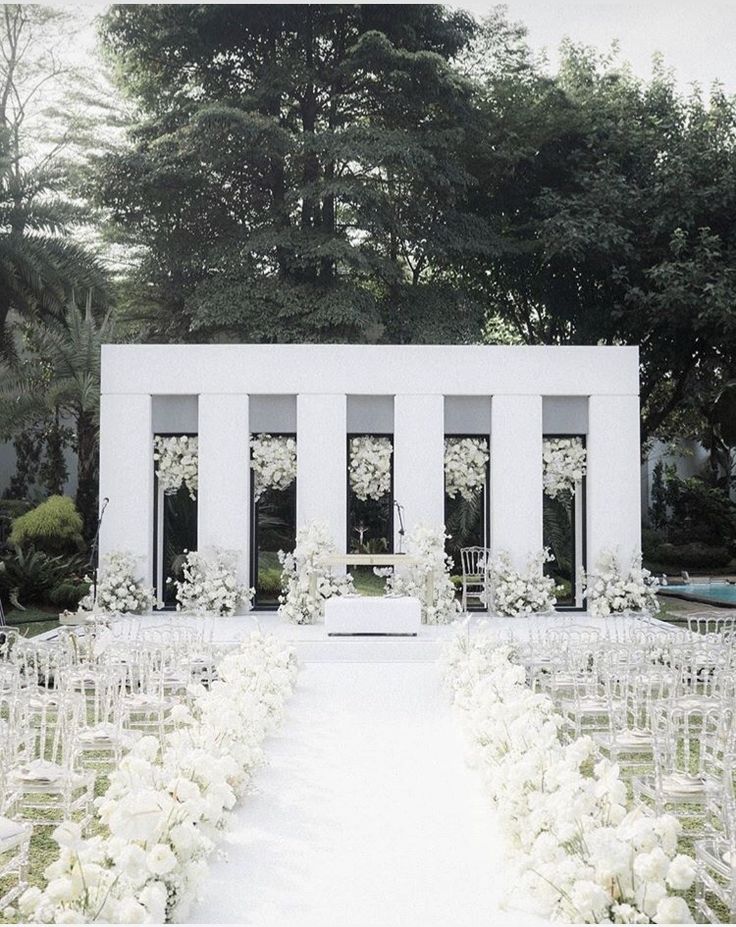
(366, 815)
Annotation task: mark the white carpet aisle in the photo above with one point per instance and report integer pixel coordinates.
(366, 815)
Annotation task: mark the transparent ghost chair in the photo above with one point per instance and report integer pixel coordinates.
(715, 857)
(690, 750)
(49, 784)
(102, 738)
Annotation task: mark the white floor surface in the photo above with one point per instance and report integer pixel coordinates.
(366, 815)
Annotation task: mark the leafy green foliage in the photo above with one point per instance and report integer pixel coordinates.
(28, 575)
(54, 527)
(67, 595)
(311, 158)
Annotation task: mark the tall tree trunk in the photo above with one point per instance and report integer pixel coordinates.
(88, 460)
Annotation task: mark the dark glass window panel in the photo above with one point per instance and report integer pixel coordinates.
(179, 536)
(370, 531)
(466, 521)
(274, 529)
(559, 536)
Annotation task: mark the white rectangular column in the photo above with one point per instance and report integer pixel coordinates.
(223, 500)
(126, 479)
(516, 476)
(613, 477)
(419, 460)
(321, 462)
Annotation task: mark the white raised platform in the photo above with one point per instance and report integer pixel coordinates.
(369, 615)
(314, 645)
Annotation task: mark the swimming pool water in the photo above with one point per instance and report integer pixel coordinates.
(712, 592)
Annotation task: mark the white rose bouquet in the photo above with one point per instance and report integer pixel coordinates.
(465, 466)
(273, 461)
(613, 588)
(564, 462)
(209, 584)
(177, 463)
(370, 466)
(517, 592)
(118, 590)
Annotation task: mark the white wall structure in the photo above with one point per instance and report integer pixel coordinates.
(516, 490)
(223, 498)
(126, 477)
(419, 449)
(591, 390)
(321, 476)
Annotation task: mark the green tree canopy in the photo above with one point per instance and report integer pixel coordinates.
(298, 171)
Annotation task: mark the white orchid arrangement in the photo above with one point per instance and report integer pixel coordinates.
(303, 598)
(427, 545)
(209, 584)
(521, 592)
(370, 466)
(168, 801)
(273, 462)
(118, 589)
(613, 588)
(564, 465)
(465, 466)
(575, 848)
(177, 463)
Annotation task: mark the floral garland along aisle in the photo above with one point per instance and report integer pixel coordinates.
(370, 466)
(465, 466)
(168, 802)
(177, 463)
(574, 847)
(273, 462)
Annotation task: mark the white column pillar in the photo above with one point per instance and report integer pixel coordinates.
(613, 477)
(419, 475)
(516, 476)
(321, 462)
(223, 500)
(126, 478)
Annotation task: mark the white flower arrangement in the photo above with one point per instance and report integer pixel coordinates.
(370, 466)
(564, 462)
(273, 462)
(303, 600)
(168, 801)
(614, 588)
(427, 544)
(209, 585)
(118, 590)
(177, 463)
(516, 592)
(465, 466)
(574, 847)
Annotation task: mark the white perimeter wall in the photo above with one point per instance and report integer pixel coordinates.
(527, 388)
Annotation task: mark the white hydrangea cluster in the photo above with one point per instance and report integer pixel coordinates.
(370, 466)
(177, 463)
(575, 848)
(169, 800)
(299, 604)
(118, 590)
(465, 466)
(521, 593)
(614, 588)
(273, 461)
(564, 462)
(427, 544)
(209, 585)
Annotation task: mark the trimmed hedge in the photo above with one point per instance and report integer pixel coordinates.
(54, 526)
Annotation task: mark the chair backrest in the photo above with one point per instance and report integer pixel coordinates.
(474, 560)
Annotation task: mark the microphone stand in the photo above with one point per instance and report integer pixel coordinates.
(402, 529)
(94, 553)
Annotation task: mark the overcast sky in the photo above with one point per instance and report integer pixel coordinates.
(696, 37)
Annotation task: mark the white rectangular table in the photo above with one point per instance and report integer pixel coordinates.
(356, 614)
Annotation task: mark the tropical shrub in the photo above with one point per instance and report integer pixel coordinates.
(54, 527)
(28, 575)
(68, 594)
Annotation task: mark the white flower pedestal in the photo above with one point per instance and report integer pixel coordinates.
(356, 614)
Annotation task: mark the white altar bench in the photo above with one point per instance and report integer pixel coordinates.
(357, 614)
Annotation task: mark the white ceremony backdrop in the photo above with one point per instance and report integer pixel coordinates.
(513, 395)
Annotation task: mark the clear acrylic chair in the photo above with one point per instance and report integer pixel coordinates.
(475, 564)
